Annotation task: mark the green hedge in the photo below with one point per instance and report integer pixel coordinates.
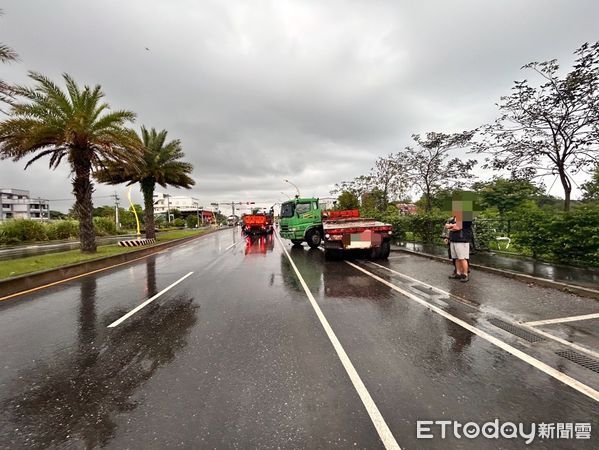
(104, 226)
(565, 237)
(14, 232)
(62, 229)
(19, 230)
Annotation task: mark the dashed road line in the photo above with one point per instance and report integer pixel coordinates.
(560, 376)
(102, 269)
(232, 245)
(147, 302)
(562, 320)
(375, 415)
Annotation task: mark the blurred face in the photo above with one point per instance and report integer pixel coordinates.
(463, 210)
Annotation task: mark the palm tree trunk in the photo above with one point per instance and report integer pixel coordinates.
(83, 188)
(147, 188)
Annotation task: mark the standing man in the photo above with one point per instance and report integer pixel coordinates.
(460, 235)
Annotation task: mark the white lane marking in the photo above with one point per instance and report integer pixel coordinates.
(436, 289)
(525, 324)
(560, 340)
(375, 415)
(147, 302)
(562, 320)
(232, 245)
(567, 380)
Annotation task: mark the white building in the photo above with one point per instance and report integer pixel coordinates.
(164, 202)
(17, 204)
(327, 202)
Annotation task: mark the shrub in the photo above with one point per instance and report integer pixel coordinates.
(63, 229)
(20, 230)
(571, 237)
(191, 221)
(575, 236)
(427, 227)
(104, 226)
(179, 222)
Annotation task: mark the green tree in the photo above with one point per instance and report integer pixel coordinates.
(161, 164)
(388, 175)
(374, 202)
(550, 128)
(176, 213)
(348, 200)
(191, 221)
(104, 211)
(75, 126)
(506, 194)
(57, 215)
(590, 189)
(429, 167)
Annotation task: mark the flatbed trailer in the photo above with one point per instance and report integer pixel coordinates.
(346, 231)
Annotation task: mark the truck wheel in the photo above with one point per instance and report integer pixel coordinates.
(373, 253)
(385, 249)
(297, 242)
(313, 238)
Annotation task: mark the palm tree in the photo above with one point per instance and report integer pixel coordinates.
(75, 124)
(7, 55)
(160, 164)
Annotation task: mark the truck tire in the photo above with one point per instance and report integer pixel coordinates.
(373, 253)
(313, 238)
(297, 242)
(385, 249)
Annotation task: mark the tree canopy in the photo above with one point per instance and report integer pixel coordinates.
(551, 128)
(429, 167)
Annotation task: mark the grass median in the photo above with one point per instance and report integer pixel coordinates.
(20, 266)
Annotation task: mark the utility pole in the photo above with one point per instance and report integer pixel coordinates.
(116, 209)
(39, 203)
(198, 214)
(168, 207)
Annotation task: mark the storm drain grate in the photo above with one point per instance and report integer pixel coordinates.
(517, 331)
(580, 359)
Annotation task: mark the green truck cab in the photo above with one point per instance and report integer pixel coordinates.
(301, 221)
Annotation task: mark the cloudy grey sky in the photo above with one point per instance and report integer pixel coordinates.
(311, 90)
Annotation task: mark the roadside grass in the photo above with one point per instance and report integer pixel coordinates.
(29, 264)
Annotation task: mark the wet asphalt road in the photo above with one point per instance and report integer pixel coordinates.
(234, 356)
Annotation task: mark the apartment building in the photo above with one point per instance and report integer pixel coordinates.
(185, 204)
(18, 204)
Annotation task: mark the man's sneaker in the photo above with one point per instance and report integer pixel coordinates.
(454, 276)
(464, 278)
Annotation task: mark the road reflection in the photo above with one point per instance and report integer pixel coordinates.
(75, 399)
(259, 244)
(309, 262)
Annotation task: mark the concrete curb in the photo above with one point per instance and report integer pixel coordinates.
(13, 287)
(570, 288)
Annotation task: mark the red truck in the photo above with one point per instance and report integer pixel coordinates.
(257, 224)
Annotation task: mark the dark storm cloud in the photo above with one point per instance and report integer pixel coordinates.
(310, 91)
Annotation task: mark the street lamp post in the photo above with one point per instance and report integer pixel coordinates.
(296, 188)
